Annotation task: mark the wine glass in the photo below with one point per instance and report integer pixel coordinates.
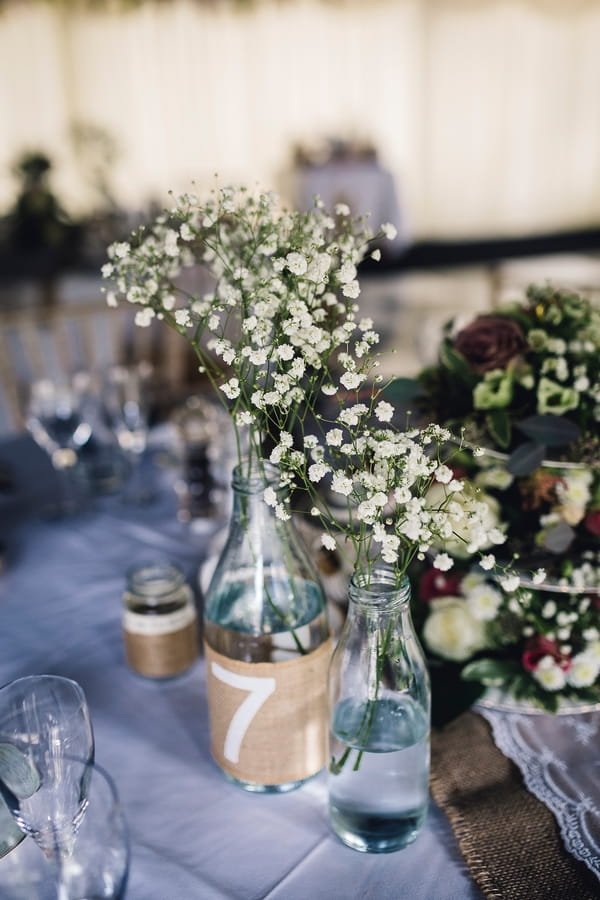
(126, 402)
(44, 726)
(59, 416)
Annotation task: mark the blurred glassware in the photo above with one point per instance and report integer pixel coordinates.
(26, 874)
(160, 626)
(126, 400)
(44, 725)
(95, 864)
(206, 455)
(58, 416)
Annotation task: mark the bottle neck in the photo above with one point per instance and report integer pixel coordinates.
(253, 475)
(249, 484)
(378, 591)
(377, 603)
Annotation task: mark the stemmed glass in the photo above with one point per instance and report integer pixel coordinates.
(46, 746)
(59, 417)
(126, 402)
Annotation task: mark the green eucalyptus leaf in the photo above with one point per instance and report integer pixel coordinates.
(498, 425)
(526, 458)
(491, 672)
(554, 431)
(520, 686)
(457, 364)
(10, 833)
(402, 391)
(547, 701)
(18, 773)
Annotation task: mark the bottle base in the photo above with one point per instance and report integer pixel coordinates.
(255, 788)
(370, 833)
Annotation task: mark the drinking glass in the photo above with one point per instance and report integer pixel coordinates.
(126, 402)
(95, 865)
(58, 416)
(95, 862)
(44, 726)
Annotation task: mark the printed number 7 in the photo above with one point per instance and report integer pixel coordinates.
(259, 689)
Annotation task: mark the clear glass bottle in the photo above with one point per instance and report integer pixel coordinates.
(267, 644)
(160, 624)
(379, 719)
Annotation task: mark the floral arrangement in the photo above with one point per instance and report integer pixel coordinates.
(382, 493)
(282, 310)
(281, 329)
(280, 339)
(524, 381)
(538, 643)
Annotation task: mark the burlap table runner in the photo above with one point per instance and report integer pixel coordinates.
(508, 838)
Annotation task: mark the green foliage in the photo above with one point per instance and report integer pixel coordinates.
(553, 431)
(526, 458)
(491, 672)
(498, 424)
(457, 365)
(402, 392)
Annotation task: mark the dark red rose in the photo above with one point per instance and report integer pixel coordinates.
(538, 647)
(592, 522)
(490, 342)
(439, 584)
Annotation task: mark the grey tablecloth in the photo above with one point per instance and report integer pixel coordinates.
(194, 836)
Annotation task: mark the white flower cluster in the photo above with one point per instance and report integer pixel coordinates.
(457, 625)
(397, 496)
(282, 306)
(557, 634)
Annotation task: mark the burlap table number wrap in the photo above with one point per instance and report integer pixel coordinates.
(268, 720)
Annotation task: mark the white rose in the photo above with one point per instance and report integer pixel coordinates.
(583, 670)
(451, 631)
(463, 530)
(549, 674)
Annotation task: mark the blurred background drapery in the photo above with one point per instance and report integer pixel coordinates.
(485, 111)
(472, 125)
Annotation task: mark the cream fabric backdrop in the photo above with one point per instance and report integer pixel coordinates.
(487, 113)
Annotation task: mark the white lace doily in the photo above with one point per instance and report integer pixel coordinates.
(559, 758)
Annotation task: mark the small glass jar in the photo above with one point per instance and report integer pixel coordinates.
(160, 625)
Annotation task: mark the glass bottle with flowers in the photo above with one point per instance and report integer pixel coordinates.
(280, 306)
(370, 486)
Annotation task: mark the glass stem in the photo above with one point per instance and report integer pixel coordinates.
(69, 498)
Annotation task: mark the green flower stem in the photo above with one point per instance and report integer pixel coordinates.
(284, 617)
(379, 653)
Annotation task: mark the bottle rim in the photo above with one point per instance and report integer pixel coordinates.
(154, 579)
(379, 586)
(251, 477)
